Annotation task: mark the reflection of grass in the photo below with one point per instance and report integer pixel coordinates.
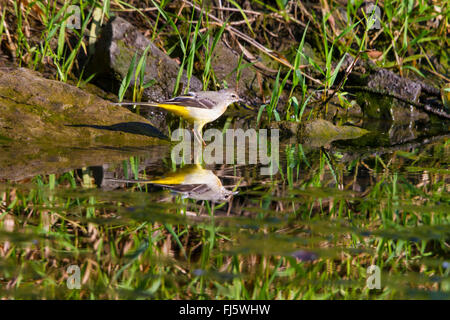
(131, 244)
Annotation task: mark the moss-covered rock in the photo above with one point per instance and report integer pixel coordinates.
(42, 111)
(317, 132)
(385, 107)
(321, 132)
(114, 51)
(225, 62)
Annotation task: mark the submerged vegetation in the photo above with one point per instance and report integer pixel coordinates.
(309, 232)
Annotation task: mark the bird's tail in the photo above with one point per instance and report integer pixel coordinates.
(176, 109)
(146, 104)
(129, 181)
(171, 178)
(165, 182)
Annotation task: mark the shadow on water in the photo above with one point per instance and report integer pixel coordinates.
(141, 128)
(134, 221)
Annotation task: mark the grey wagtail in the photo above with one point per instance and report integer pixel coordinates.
(198, 108)
(192, 182)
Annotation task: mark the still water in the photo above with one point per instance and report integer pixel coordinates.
(75, 223)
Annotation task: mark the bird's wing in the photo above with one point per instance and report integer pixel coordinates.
(188, 188)
(193, 101)
(179, 188)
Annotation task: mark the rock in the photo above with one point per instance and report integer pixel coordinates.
(119, 41)
(366, 74)
(41, 111)
(322, 132)
(373, 84)
(287, 129)
(318, 132)
(224, 61)
(385, 80)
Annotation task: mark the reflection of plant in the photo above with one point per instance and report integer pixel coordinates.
(193, 249)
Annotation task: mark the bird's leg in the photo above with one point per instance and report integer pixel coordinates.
(203, 141)
(193, 133)
(196, 137)
(198, 133)
(199, 137)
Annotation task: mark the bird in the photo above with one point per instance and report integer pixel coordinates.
(191, 181)
(198, 108)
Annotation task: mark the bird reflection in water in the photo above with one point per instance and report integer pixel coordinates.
(192, 181)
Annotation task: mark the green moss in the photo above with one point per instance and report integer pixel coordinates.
(317, 132)
(123, 59)
(36, 109)
(374, 107)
